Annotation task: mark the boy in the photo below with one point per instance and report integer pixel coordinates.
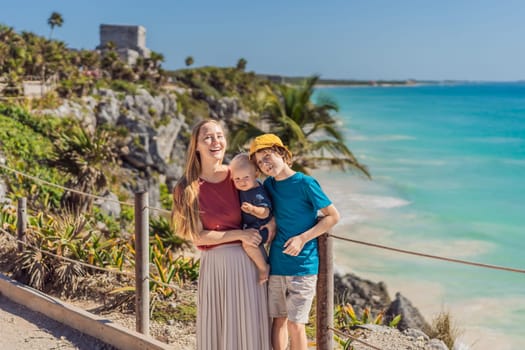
(255, 206)
(294, 257)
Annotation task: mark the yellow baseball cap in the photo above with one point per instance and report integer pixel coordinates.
(267, 141)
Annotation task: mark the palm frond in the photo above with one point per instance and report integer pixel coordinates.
(308, 129)
(242, 132)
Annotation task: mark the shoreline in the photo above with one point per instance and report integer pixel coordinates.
(429, 298)
(322, 85)
(420, 281)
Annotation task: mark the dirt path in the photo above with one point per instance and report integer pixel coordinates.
(24, 329)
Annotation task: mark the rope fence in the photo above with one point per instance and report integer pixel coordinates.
(34, 178)
(430, 256)
(375, 245)
(342, 334)
(91, 266)
(325, 286)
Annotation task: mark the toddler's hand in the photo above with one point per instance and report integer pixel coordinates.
(247, 207)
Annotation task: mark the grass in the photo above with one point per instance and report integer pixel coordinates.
(444, 328)
(185, 311)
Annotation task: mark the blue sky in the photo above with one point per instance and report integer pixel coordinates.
(362, 39)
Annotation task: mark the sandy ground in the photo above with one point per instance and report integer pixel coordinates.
(24, 329)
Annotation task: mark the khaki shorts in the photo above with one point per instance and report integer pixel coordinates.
(291, 296)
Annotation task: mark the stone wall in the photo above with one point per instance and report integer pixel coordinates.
(130, 41)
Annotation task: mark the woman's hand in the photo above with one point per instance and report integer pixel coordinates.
(251, 237)
(271, 226)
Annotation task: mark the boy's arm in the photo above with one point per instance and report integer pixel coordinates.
(259, 212)
(295, 244)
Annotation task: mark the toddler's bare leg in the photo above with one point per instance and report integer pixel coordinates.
(257, 256)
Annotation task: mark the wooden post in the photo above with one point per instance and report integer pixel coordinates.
(21, 222)
(142, 262)
(325, 294)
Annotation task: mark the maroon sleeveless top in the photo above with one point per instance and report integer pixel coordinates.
(219, 207)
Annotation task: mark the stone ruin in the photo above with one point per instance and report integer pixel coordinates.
(130, 41)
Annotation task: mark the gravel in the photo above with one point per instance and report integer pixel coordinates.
(386, 338)
(24, 329)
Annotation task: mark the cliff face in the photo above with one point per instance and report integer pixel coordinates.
(157, 129)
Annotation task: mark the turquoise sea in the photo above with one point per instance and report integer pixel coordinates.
(448, 167)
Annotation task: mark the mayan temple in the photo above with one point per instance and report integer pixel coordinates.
(130, 41)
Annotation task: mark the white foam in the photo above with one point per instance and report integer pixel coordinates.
(477, 317)
(514, 161)
(358, 208)
(420, 162)
(450, 248)
(484, 323)
(377, 202)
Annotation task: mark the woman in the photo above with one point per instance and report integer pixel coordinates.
(232, 307)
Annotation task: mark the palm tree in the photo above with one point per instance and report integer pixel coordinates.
(307, 128)
(55, 20)
(241, 64)
(189, 61)
(4, 51)
(156, 59)
(5, 39)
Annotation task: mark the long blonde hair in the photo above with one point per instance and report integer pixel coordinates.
(185, 212)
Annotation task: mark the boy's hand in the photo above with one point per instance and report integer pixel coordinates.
(294, 245)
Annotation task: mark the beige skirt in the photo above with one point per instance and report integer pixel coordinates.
(232, 308)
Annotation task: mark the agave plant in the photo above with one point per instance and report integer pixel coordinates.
(32, 267)
(50, 238)
(84, 156)
(345, 319)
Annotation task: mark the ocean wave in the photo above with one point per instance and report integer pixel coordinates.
(486, 333)
(416, 161)
(513, 161)
(359, 208)
(497, 140)
(381, 138)
(377, 202)
(450, 248)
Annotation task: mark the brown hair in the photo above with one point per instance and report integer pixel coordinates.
(284, 153)
(185, 213)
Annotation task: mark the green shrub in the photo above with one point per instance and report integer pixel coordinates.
(123, 86)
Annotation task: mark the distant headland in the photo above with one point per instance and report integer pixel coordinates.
(330, 82)
(346, 82)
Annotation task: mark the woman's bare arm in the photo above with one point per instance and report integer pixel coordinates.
(210, 237)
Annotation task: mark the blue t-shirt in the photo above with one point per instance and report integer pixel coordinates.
(296, 201)
(258, 197)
